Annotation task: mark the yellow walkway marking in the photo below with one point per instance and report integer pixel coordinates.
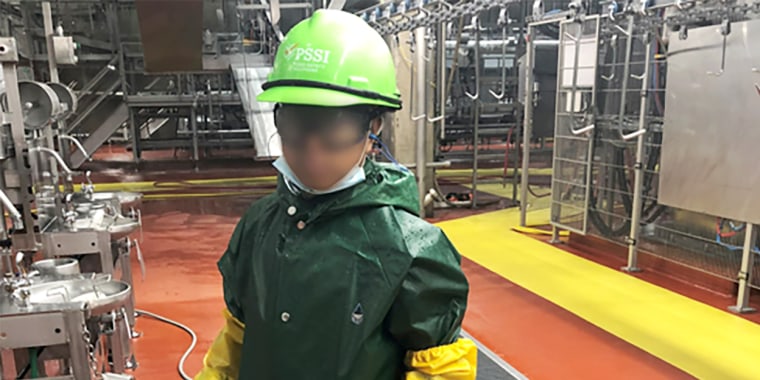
(704, 341)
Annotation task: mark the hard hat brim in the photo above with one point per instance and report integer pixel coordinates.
(317, 97)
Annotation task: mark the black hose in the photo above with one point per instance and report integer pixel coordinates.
(650, 212)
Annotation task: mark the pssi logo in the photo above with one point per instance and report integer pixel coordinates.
(308, 54)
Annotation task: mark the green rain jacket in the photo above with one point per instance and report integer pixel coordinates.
(341, 286)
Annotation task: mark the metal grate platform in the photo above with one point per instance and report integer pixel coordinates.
(491, 366)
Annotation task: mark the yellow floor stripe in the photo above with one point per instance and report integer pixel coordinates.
(149, 186)
(706, 342)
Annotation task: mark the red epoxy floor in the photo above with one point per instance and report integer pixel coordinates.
(184, 238)
(544, 341)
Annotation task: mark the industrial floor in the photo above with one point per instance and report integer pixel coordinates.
(548, 313)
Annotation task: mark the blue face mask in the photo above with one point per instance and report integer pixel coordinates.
(354, 177)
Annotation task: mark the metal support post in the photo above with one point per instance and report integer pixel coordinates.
(476, 114)
(136, 153)
(22, 241)
(119, 49)
(638, 181)
(194, 129)
(520, 131)
(555, 236)
(442, 78)
(419, 103)
(527, 125)
(745, 273)
(47, 19)
(123, 251)
(79, 344)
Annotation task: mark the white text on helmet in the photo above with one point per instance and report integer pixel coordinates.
(312, 55)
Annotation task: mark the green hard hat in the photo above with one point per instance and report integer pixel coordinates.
(333, 59)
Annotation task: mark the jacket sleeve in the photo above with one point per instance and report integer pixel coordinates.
(222, 360)
(426, 316)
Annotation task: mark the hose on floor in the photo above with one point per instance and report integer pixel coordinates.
(189, 331)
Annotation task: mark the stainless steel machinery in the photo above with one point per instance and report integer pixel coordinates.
(654, 140)
(67, 310)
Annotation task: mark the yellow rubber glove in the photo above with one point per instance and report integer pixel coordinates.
(456, 361)
(222, 361)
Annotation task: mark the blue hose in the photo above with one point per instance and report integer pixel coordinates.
(731, 247)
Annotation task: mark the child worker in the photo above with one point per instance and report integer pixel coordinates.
(334, 277)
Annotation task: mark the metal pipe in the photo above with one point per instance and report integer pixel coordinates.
(527, 126)
(216, 132)
(488, 45)
(431, 165)
(12, 210)
(476, 113)
(55, 155)
(419, 109)
(254, 7)
(518, 115)
(638, 181)
(47, 19)
(745, 272)
(194, 129)
(442, 78)
(78, 145)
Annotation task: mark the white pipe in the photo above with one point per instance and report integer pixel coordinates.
(78, 144)
(15, 214)
(419, 109)
(57, 157)
(527, 127)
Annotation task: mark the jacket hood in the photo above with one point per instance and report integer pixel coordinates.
(386, 185)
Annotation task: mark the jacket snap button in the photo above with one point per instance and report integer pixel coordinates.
(292, 210)
(301, 225)
(285, 317)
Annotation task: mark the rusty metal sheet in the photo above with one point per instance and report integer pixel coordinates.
(172, 34)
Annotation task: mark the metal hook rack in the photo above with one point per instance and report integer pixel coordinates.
(613, 44)
(476, 25)
(504, 22)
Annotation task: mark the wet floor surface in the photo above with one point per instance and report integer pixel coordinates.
(183, 239)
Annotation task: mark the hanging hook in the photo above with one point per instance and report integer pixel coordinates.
(613, 43)
(644, 87)
(642, 76)
(504, 22)
(426, 49)
(611, 9)
(633, 134)
(476, 26)
(725, 30)
(580, 131)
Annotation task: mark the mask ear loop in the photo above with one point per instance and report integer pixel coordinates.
(385, 151)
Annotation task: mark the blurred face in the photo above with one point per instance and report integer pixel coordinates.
(322, 144)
